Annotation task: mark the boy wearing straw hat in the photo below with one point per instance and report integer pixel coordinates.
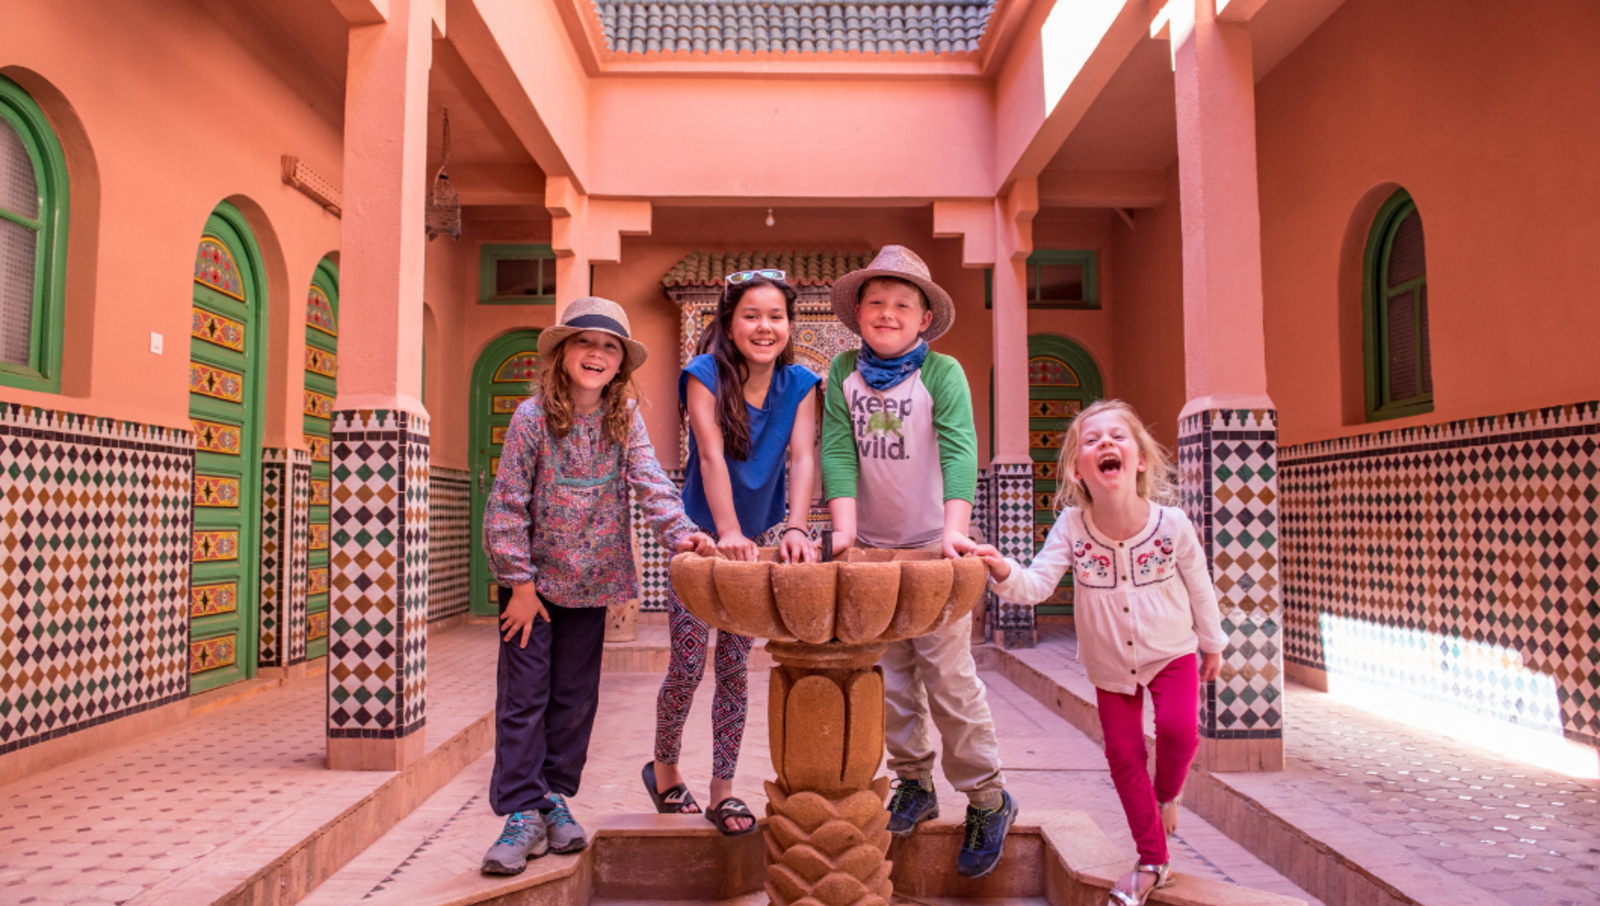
(899, 468)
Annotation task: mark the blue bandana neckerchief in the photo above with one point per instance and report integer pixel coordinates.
(881, 374)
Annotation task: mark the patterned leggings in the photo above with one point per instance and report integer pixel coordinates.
(690, 638)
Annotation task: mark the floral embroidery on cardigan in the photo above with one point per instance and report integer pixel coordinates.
(1153, 559)
(1096, 567)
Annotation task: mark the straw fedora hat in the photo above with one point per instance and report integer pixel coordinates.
(593, 313)
(894, 261)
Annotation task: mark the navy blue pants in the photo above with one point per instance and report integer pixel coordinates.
(544, 707)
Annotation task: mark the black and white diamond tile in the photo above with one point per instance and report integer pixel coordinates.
(285, 511)
(449, 542)
(377, 637)
(1454, 564)
(299, 551)
(1013, 519)
(1228, 485)
(94, 570)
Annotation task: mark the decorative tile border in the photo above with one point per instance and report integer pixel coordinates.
(449, 542)
(75, 488)
(377, 634)
(276, 550)
(299, 540)
(1012, 495)
(1228, 482)
(1456, 564)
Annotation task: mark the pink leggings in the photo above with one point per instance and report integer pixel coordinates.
(1176, 694)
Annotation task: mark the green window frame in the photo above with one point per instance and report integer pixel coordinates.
(493, 254)
(48, 223)
(1087, 259)
(1395, 312)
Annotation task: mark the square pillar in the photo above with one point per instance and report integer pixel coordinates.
(1228, 478)
(1227, 432)
(378, 636)
(1011, 464)
(378, 549)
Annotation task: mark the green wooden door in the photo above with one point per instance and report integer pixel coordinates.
(225, 402)
(322, 368)
(500, 381)
(1062, 379)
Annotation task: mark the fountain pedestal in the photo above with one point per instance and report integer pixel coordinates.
(827, 835)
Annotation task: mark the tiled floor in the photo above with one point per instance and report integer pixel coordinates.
(1526, 835)
(1049, 766)
(107, 828)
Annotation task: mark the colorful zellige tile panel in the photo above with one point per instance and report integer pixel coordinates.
(1455, 564)
(449, 542)
(377, 632)
(73, 484)
(215, 329)
(214, 267)
(1227, 470)
(217, 383)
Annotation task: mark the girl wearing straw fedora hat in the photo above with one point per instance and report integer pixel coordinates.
(899, 468)
(557, 530)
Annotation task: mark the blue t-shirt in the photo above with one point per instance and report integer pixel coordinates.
(758, 481)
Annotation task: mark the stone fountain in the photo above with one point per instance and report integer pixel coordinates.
(827, 624)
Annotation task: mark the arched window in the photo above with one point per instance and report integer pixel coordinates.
(33, 243)
(1395, 284)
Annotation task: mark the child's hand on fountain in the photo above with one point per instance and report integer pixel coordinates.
(796, 546)
(699, 543)
(999, 569)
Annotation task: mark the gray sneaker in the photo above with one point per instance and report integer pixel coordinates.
(566, 835)
(523, 839)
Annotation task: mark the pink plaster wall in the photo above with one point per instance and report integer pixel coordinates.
(636, 283)
(197, 114)
(1495, 143)
(1092, 230)
(1147, 319)
(813, 138)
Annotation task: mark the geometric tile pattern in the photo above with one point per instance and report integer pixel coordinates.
(94, 570)
(276, 549)
(299, 546)
(449, 542)
(1228, 484)
(1012, 496)
(378, 628)
(1455, 564)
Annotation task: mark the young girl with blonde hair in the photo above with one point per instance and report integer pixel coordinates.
(1143, 603)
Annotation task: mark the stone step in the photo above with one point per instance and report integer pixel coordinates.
(1333, 858)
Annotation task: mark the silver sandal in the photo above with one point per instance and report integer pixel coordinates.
(1163, 874)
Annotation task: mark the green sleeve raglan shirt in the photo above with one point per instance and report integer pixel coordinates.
(901, 452)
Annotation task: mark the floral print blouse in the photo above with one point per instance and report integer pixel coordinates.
(558, 515)
(1137, 604)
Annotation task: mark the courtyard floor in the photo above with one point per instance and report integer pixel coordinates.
(196, 812)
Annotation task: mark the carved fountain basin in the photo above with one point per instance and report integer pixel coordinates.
(861, 598)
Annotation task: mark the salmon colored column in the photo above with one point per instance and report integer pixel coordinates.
(1227, 432)
(998, 234)
(377, 636)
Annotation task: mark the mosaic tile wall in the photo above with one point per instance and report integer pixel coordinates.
(378, 632)
(449, 542)
(1457, 564)
(1227, 474)
(285, 516)
(1011, 530)
(95, 572)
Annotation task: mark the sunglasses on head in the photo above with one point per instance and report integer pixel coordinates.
(738, 277)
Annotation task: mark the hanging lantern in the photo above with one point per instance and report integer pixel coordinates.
(443, 213)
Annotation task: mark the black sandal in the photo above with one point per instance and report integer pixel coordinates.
(675, 801)
(731, 807)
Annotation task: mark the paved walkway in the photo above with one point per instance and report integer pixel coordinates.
(216, 795)
(1049, 766)
(1525, 835)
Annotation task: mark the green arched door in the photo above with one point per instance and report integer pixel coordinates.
(225, 403)
(500, 380)
(1062, 379)
(322, 369)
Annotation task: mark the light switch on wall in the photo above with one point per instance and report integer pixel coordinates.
(155, 343)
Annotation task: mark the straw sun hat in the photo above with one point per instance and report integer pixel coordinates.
(593, 313)
(894, 261)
